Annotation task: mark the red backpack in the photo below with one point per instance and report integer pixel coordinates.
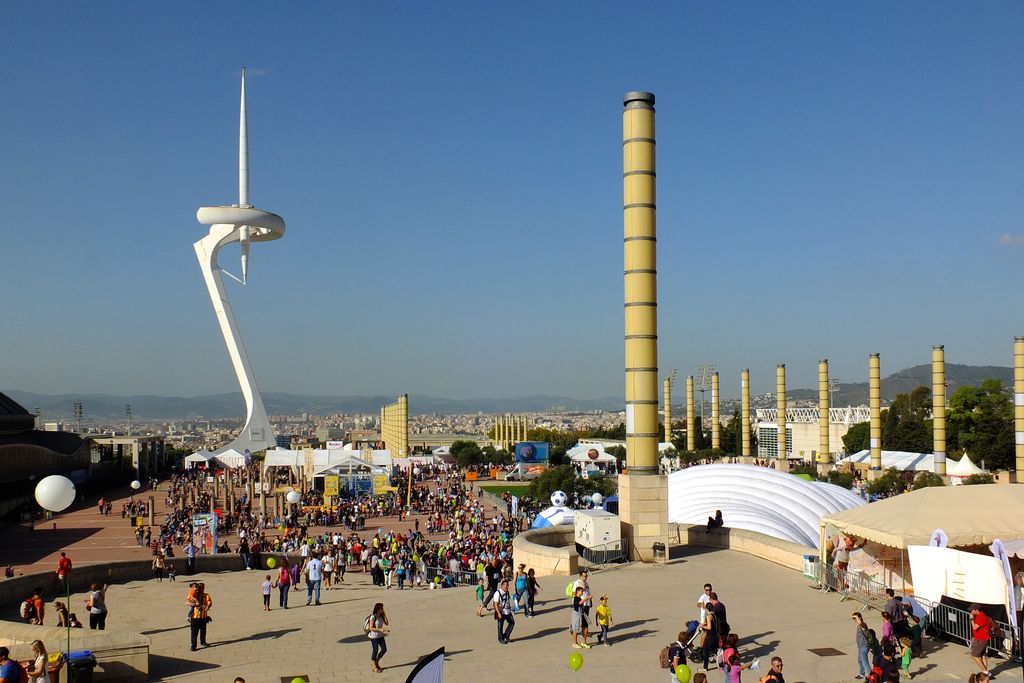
(876, 675)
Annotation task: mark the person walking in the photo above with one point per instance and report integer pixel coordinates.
(503, 612)
(159, 564)
(199, 616)
(710, 631)
(96, 606)
(578, 625)
(314, 574)
(521, 587)
(64, 572)
(604, 620)
(376, 627)
(283, 583)
(980, 634)
(532, 588)
(265, 588)
(190, 558)
(863, 647)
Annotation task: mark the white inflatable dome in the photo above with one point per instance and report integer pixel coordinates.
(756, 499)
(553, 516)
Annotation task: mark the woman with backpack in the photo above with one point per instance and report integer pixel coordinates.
(376, 627)
(283, 583)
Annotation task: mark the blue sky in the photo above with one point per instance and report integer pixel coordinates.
(834, 180)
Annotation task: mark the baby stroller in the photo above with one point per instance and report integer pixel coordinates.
(691, 648)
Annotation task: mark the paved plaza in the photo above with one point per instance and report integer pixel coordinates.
(772, 608)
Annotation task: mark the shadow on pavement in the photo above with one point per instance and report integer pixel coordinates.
(762, 649)
(618, 638)
(24, 547)
(161, 666)
(258, 636)
(541, 634)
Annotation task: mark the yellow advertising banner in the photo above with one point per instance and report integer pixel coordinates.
(380, 484)
(331, 485)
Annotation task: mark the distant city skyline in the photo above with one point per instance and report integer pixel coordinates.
(834, 181)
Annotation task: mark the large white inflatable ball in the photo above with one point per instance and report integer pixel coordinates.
(559, 499)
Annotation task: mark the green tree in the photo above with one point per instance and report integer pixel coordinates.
(926, 479)
(565, 478)
(857, 438)
(732, 435)
(466, 453)
(981, 423)
(985, 478)
(840, 478)
(889, 484)
(619, 452)
(905, 426)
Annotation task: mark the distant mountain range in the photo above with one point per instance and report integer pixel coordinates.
(219, 406)
(905, 381)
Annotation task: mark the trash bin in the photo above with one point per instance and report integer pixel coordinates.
(80, 668)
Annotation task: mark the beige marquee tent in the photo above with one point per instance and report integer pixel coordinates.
(970, 516)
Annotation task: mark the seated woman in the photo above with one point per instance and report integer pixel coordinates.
(716, 521)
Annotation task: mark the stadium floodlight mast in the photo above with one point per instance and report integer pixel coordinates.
(244, 224)
(833, 389)
(704, 373)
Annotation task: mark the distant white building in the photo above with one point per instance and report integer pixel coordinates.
(802, 430)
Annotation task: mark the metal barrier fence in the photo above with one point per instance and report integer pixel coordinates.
(606, 553)
(940, 619)
(459, 578)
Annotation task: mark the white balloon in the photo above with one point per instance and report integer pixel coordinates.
(597, 499)
(293, 497)
(136, 485)
(416, 471)
(55, 493)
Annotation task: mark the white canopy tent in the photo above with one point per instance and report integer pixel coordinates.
(232, 459)
(900, 460)
(961, 469)
(202, 457)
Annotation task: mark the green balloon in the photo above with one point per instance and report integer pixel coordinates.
(299, 680)
(271, 563)
(683, 673)
(576, 662)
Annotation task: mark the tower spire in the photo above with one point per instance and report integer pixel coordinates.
(243, 151)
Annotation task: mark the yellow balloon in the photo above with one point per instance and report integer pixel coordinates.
(575, 661)
(683, 673)
(271, 562)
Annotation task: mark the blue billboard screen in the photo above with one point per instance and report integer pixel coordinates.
(532, 452)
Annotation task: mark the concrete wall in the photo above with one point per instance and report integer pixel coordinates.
(549, 551)
(122, 655)
(781, 552)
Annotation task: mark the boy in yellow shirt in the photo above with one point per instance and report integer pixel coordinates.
(604, 620)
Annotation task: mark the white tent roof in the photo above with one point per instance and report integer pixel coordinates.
(969, 515)
(756, 499)
(232, 458)
(578, 453)
(964, 467)
(283, 458)
(202, 456)
(357, 465)
(900, 460)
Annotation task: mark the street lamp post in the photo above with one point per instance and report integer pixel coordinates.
(56, 493)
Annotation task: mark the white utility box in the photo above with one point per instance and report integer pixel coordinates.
(598, 529)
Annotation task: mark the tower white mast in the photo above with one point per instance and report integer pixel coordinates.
(240, 223)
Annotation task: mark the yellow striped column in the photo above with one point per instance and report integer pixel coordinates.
(716, 429)
(824, 449)
(745, 412)
(691, 417)
(640, 276)
(780, 407)
(667, 402)
(875, 404)
(939, 408)
(403, 426)
(1018, 405)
